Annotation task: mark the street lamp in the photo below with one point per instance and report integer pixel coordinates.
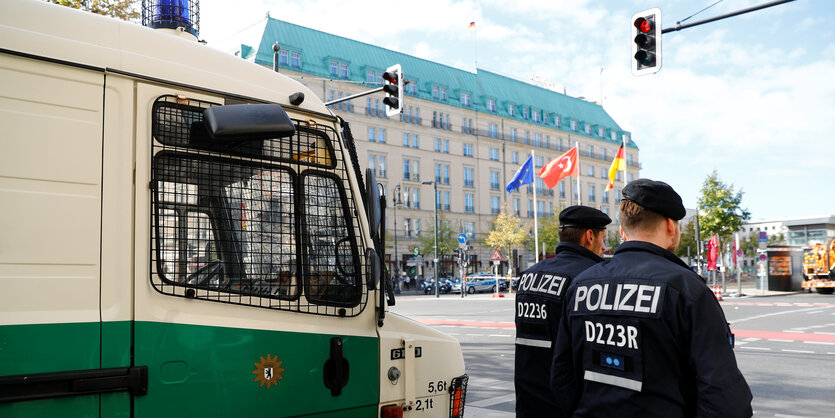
(435, 190)
(395, 200)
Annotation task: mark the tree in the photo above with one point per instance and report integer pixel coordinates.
(507, 232)
(612, 240)
(120, 9)
(447, 238)
(751, 243)
(549, 233)
(720, 210)
(688, 240)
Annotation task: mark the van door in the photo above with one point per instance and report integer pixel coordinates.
(249, 290)
(50, 248)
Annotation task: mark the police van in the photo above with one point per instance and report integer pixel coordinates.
(185, 233)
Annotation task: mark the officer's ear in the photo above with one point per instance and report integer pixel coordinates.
(622, 234)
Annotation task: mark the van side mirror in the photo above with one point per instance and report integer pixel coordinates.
(247, 121)
(372, 203)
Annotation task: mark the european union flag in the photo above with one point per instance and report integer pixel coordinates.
(523, 176)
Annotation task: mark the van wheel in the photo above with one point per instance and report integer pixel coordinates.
(471, 290)
(825, 290)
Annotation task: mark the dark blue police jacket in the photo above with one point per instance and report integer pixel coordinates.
(642, 335)
(539, 304)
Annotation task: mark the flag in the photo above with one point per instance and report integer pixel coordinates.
(712, 252)
(617, 164)
(559, 168)
(472, 25)
(523, 176)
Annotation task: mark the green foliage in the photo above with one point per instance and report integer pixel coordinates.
(612, 240)
(447, 238)
(688, 240)
(750, 243)
(120, 9)
(721, 210)
(549, 233)
(507, 232)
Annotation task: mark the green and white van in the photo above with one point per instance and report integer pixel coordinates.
(184, 233)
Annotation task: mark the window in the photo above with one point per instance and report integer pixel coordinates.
(416, 204)
(527, 138)
(370, 76)
(411, 170)
(530, 208)
(495, 205)
(603, 154)
(573, 125)
(371, 134)
(448, 126)
(469, 203)
(539, 161)
(604, 209)
(537, 140)
(416, 224)
(465, 99)
(334, 68)
(442, 173)
(295, 59)
(588, 129)
(237, 242)
(436, 144)
(562, 189)
(591, 192)
(614, 136)
(411, 87)
(406, 139)
(514, 157)
(513, 135)
(443, 200)
(516, 207)
(525, 113)
(407, 227)
(601, 132)
(494, 180)
(469, 229)
(435, 92)
(381, 135)
(446, 174)
(540, 208)
(372, 163)
(415, 142)
(511, 110)
(536, 115)
(604, 196)
(617, 195)
(494, 131)
(557, 121)
(628, 159)
(445, 147)
(377, 164)
(491, 105)
(590, 170)
(630, 177)
(283, 57)
(590, 150)
(377, 108)
(541, 188)
(494, 154)
(443, 97)
(368, 109)
(468, 177)
(468, 150)
(343, 70)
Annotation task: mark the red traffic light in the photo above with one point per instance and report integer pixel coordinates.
(642, 25)
(390, 76)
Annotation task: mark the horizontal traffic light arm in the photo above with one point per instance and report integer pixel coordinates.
(679, 26)
(354, 96)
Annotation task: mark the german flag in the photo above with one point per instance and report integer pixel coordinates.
(617, 164)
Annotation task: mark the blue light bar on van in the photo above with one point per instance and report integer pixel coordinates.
(172, 14)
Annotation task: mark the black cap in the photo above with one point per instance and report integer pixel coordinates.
(656, 196)
(583, 217)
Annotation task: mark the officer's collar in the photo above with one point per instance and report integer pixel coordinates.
(570, 246)
(649, 247)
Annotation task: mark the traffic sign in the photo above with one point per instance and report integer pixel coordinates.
(416, 251)
(763, 257)
(496, 256)
(739, 252)
(462, 238)
(763, 236)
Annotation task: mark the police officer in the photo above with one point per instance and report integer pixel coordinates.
(539, 304)
(641, 334)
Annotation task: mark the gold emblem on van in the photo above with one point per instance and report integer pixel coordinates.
(268, 371)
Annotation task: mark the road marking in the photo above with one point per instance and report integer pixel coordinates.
(499, 335)
(752, 339)
(771, 314)
(799, 351)
(824, 333)
(493, 401)
(757, 348)
(783, 336)
(780, 341)
(791, 330)
(830, 353)
(813, 312)
(818, 342)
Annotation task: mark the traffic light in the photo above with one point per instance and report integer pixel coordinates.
(393, 87)
(646, 42)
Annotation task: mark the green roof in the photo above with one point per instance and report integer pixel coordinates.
(319, 48)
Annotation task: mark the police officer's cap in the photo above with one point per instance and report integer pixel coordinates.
(583, 217)
(656, 196)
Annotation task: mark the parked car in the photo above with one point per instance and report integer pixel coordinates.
(480, 283)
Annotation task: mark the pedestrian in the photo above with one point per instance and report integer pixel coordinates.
(641, 334)
(539, 303)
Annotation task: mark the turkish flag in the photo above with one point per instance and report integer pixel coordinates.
(559, 168)
(712, 253)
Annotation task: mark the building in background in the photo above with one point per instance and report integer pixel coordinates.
(795, 232)
(468, 132)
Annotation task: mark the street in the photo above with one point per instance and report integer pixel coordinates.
(785, 347)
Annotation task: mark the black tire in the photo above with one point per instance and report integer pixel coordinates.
(493, 290)
(825, 290)
(470, 290)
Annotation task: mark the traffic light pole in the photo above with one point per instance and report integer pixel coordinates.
(354, 96)
(679, 26)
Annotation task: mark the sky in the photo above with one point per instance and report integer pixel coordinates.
(752, 96)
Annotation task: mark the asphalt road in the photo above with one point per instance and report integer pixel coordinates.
(785, 347)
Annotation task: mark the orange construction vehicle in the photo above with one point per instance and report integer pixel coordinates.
(818, 266)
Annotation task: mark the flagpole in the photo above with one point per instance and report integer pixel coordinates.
(579, 192)
(535, 224)
(623, 139)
